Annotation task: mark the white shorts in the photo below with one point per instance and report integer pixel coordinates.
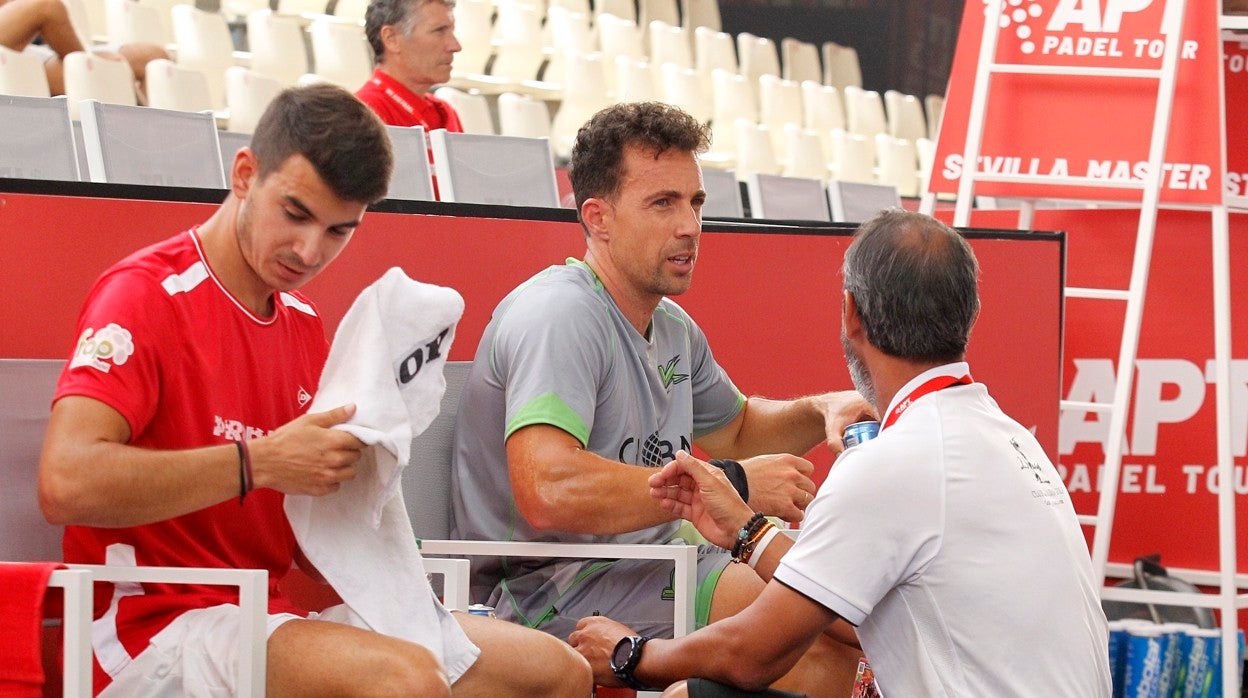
(45, 52)
(197, 654)
(42, 51)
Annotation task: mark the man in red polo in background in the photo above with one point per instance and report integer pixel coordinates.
(414, 42)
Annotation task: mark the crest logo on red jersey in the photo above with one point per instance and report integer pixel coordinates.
(110, 346)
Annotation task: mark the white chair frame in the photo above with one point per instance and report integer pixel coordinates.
(76, 627)
(78, 581)
(435, 462)
(253, 599)
(685, 558)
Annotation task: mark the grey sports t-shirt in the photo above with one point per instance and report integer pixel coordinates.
(558, 351)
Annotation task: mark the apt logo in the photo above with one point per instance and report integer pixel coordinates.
(1090, 15)
(112, 344)
(1024, 18)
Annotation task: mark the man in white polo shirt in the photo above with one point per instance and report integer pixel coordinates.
(949, 540)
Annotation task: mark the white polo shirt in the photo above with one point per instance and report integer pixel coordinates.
(951, 542)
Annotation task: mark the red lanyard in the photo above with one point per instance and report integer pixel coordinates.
(422, 116)
(937, 383)
(394, 97)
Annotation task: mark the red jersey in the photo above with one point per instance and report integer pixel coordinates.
(187, 365)
(399, 106)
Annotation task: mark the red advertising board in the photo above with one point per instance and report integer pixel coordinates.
(1091, 126)
(1235, 68)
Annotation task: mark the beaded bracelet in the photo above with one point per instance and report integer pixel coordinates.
(748, 535)
(756, 551)
(747, 550)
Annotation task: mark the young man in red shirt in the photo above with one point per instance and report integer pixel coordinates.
(180, 424)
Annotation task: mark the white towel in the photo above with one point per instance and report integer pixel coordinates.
(387, 358)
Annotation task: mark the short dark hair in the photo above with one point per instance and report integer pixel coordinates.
(343, 139)
(596, 165)
(914, 280)
(400, 13)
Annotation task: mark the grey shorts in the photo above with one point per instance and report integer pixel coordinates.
(637, 593)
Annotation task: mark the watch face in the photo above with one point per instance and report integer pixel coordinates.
(623, 649)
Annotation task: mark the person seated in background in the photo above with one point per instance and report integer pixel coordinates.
(21, 21)
(180, 424)
(949, 540)
(588, 377)
(414, 44)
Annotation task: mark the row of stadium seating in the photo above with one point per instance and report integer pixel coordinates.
(525, 73)
(126, 144)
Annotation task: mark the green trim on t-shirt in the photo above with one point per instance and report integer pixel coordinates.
(574, 262)
(549, 408)
(676, 318)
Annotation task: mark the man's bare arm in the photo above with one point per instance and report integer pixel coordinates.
(787, 426)
(90, 475)
(558, 485)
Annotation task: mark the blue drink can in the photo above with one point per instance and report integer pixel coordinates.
(1146, 649)
(1174, 673)
(1213, 683)
(860, 432)
(1178, 643)
(1204, 648)
(1118, 653)
(480, 609)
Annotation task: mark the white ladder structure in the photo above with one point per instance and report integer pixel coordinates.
(1227, 601)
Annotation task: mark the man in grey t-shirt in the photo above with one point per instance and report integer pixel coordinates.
(589, 377)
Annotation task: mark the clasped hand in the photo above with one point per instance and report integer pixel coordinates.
(840, 409)
(780, 485)
(306, 455)
(595, 638)
(700, 493)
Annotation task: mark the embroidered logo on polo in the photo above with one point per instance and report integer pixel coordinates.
(668, 374)
(1044, 490)
(1028, 465)
(110, 346)
(304, 396)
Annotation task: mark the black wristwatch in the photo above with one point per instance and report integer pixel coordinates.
(626, 657)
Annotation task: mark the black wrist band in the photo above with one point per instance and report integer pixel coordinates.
(736, 475)
(632, 682)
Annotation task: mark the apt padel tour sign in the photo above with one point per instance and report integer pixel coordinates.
(1088, 126)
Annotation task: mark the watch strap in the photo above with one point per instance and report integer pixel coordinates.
(625, 673)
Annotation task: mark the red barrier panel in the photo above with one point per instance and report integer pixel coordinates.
(768, 298)
(769, 301)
